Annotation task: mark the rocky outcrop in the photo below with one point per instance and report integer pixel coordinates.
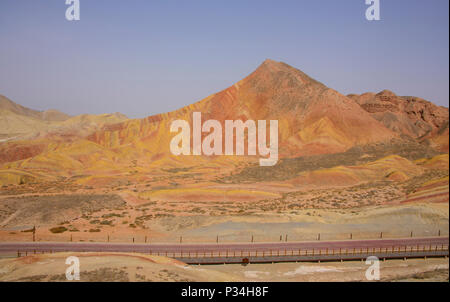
(408, 116)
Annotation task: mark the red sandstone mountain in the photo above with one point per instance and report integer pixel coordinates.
(313, 119)
(408, 116)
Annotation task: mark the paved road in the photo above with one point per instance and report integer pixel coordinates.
(14, 247)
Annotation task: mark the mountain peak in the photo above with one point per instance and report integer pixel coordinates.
(275, 73)
(386, 92)
(275, 65)
(270, 62)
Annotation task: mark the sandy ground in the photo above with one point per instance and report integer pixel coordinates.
(391, 270)
(106, 267)
(136, 267)
(397, 221)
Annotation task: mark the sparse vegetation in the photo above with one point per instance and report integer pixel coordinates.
(57, 230)
(290, 167)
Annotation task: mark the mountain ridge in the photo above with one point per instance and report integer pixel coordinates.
(273, 91)
(18, 122)
(46, 115)
(409, 116)
(313, 120)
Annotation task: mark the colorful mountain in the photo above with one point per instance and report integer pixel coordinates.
(313, 120)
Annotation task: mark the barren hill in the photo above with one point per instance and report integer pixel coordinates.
(48, 115)
(313, 119)
(317, 125)
(408, 116)
(19, 122)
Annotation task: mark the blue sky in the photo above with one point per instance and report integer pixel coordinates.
(143, 57)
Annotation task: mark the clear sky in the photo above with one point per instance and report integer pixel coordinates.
(142, 57)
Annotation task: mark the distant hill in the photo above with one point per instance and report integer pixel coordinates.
(19, 122)
(48, 115)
